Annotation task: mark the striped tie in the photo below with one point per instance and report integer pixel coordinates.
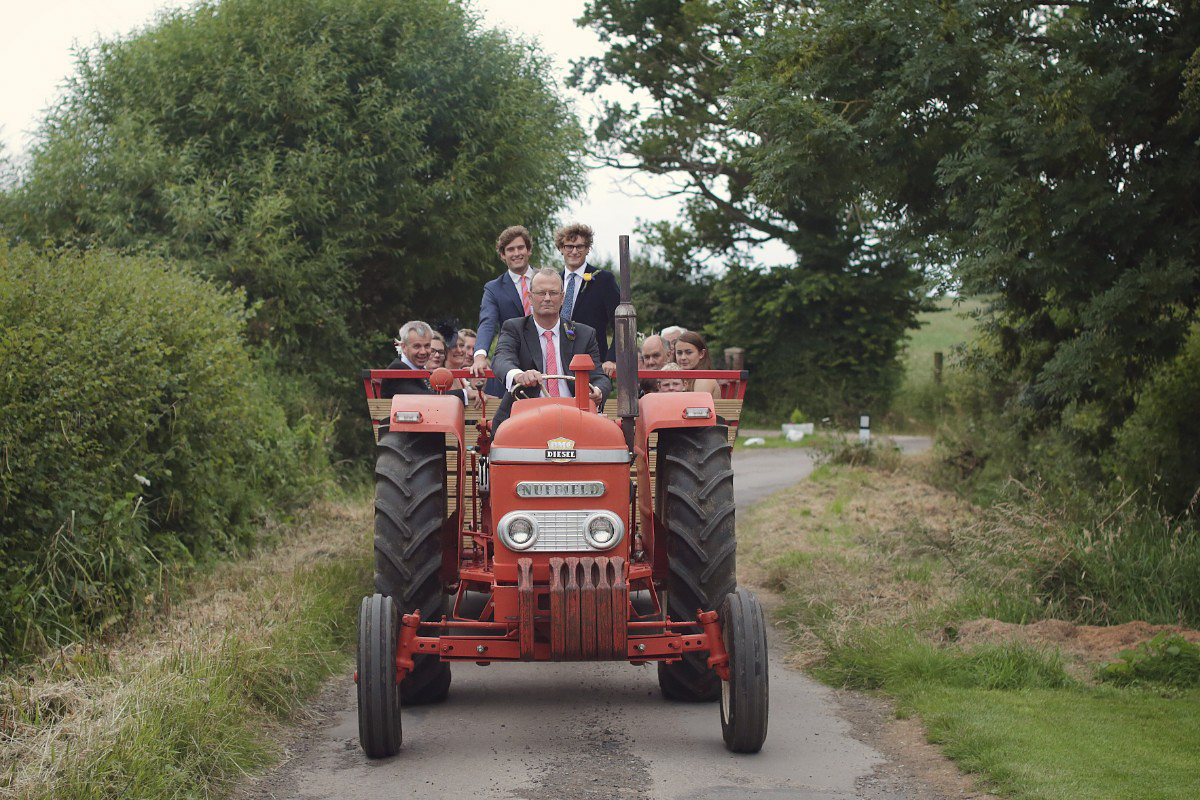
(525, 293)
(551, 364)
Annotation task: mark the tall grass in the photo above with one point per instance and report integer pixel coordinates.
(1099, 560)
(185, 719)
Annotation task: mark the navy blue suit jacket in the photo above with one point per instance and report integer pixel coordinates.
(596, 306)
(501, 302)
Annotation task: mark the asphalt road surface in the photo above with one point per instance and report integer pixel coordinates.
(585, 730)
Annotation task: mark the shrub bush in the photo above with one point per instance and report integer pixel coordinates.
(137, 437)
(1158, 447)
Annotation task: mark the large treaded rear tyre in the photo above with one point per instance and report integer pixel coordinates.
(744, 695)
(410, 508)
(379, 730)
(695, 502)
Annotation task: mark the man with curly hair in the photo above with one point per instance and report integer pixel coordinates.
(591, 295)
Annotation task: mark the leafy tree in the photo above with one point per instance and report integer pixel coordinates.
(709, 69)
(347, 162)
(1045, 152)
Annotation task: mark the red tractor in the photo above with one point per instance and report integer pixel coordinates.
(569, 536)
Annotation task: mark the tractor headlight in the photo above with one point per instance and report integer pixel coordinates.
(603, 530)
(518, 531)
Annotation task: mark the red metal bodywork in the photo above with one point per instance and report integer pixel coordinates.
(562, 604)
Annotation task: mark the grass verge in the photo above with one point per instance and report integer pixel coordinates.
(884, 579)
(178, 708)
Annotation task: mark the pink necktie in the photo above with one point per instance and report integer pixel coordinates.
(525, 293)
(551, 364)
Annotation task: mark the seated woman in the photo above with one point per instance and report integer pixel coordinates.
(460, 356)
(437, 352)
(466, 341)
(692, 353)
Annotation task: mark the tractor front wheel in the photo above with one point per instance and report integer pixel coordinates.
(410, 509)
(744, 695)
(379, 731)
(695, 502)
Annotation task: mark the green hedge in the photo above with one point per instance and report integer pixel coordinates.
(136, 437)
(1158, 448)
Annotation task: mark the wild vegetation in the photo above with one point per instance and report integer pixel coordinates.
(192, 699)
(227, 214)
(974, 620)
(128, 397)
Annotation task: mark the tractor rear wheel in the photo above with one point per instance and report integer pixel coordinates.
(379, 730)
(695, 502)
(744, 695)
(410, 509)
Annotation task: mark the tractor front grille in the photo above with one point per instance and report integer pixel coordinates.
(560, 530)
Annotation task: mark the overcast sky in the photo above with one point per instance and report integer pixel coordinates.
(37, 37)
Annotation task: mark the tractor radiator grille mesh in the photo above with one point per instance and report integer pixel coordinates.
(561, 530)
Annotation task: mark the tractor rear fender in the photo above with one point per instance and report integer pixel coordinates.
(439, 413)
(673, 410)
(657, 411)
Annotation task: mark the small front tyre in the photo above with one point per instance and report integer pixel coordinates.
(744, 695)
(379, 731)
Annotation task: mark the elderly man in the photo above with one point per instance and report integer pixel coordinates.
(415, 345)
(543, 344)
(654, 353)
(590, 295)
(504, 298)
(654, 356)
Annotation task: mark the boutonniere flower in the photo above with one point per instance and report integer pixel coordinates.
(587, 277)
(570, 334)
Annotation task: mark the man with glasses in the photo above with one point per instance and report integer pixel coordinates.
(591, 294)
(543, 344)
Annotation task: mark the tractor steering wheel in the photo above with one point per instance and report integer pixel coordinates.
(520, 392)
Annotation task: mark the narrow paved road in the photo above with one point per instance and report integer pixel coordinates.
(550, 731)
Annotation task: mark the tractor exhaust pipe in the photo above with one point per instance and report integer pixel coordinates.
(625, 322)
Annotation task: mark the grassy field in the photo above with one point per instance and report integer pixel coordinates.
(880, 592)
(919, 400)
(941, 331)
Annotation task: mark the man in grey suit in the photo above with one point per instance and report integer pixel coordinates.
(543, 344)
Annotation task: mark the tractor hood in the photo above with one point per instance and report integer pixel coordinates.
(548, 430)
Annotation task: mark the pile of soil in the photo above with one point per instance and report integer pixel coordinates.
(1080, 645)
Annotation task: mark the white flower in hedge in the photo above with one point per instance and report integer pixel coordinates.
(142, 479)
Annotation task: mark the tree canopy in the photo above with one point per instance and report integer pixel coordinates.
(1047, 154)
(1042, 156)
(347, 162)
(702, 72)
